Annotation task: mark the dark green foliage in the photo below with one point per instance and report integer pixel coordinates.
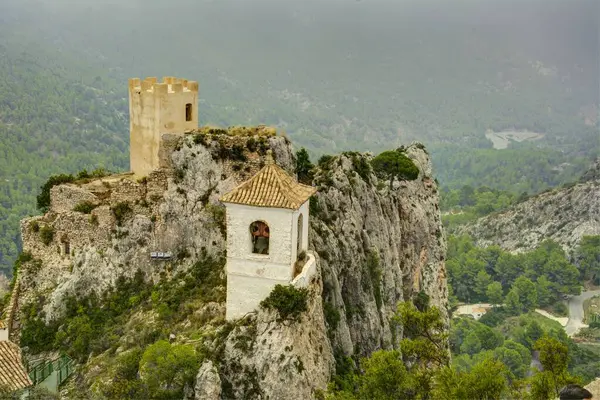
(251, 144)
(46, 234)
(374, 269)
(200, 138)
(35, 334)
(289, 301)
(394, 165)
(527, 280)
(332, 315)
(313, 206)
(304, 167)
(421, 301)
(121, 211)
(34, 226)
(237, 153)
(84, 175)
(325, 162)
(85, 207)
(361, 166)
(43, 199)
(587, 258)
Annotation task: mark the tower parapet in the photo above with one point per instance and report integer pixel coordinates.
(170, 106)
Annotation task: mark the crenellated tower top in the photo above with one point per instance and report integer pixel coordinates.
(170, 106)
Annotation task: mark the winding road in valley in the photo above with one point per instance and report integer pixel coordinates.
(576, 311)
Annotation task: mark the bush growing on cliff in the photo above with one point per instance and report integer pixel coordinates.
(167, 369)
(85, 207)
(288, 300)
(43, 199)
(46, 234)
(121, 211)
(394, 164)
(304, 167)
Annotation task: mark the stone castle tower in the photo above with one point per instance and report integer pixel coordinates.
(170, 106)
(267, 238)
(267, 215)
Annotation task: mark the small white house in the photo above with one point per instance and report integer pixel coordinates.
(267, 229)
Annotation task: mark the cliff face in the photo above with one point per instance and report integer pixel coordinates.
(378, 246)
(564, 215)
(374, 245)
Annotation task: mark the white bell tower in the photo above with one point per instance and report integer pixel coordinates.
(267, 230)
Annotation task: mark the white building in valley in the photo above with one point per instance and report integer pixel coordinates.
(267, 238)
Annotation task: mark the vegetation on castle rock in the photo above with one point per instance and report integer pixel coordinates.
(304, 168)
(46, 234)
(85, 207)
(121, 211)
(289, 302)
(394, 164)
(148, 367)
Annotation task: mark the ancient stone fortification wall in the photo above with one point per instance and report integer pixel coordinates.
(172, 210)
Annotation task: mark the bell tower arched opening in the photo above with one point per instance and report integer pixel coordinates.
(259, 235)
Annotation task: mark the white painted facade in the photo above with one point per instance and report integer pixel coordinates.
(251, 277)
(3, 334)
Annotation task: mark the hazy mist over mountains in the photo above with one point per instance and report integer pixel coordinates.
(335, 75)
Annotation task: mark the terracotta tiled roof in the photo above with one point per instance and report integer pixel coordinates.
(270, 187)
(13, 375)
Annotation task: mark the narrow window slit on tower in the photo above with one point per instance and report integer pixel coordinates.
(259, 232)
(188, 112)
(67, 248)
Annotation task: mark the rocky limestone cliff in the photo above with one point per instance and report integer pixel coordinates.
(375, 245)
(564, 215)
(378, 246)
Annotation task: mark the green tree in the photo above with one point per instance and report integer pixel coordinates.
(394, 164)
(526, 291)
(486, 380)
(482, 281)
(554, 357)
(587, 258)
(304, 167)
(494, 293)
(385, 373)
(471, 345)
(385, 377)
(512, 303)
(165, 369)
(544, 293)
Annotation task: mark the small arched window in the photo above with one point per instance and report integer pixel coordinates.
(188, 112)
(259, 234)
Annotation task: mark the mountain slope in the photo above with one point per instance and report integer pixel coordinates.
(564, 215)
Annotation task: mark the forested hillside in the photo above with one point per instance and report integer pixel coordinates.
(53, 118)
(385, 73)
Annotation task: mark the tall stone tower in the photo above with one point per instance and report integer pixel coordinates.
(170, 106)
(267, 230)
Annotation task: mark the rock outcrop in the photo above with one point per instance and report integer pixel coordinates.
(375, 245)
(378, 246)
(564, 215)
